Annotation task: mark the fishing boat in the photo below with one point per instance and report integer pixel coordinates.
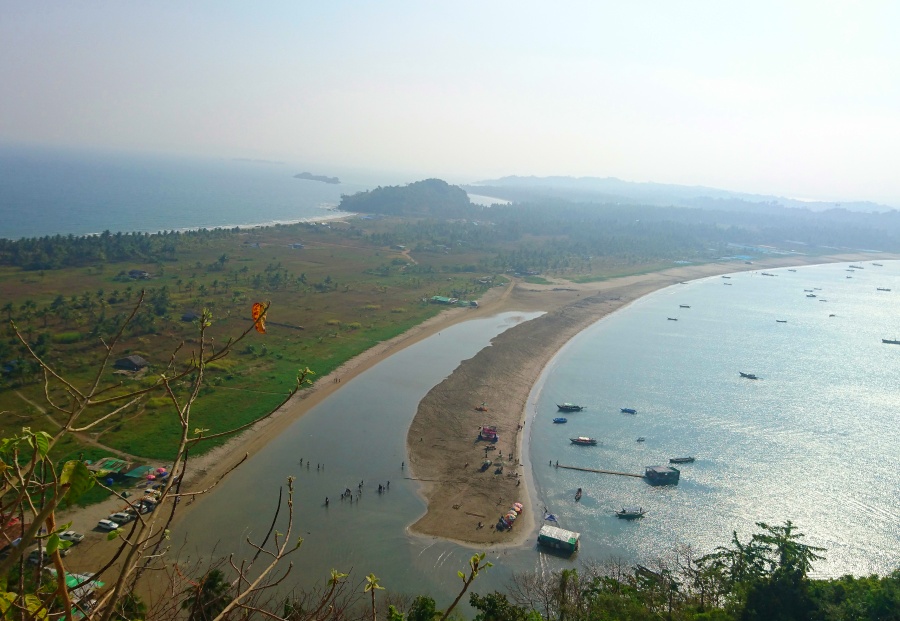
(882, 289)
(628, 410)
(878, 264)
(583, 441)
(792, 270)
(781, 321)
(578, 495)
(569, 407)
(891, 341)
(672, 318)
(560, 420)
(748, 375)
(642, 439)
(810, 295)
(726, 283)
(768, 274)
(857, 267)
(726, 276)
(684, 306)
(630, 513)
(682, 460)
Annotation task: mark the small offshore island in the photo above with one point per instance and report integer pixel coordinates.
(311, 177)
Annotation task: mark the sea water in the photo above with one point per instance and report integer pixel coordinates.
(815, 440)
(55, 191)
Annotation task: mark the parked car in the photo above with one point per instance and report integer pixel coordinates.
(121, 517)
(107, 525)
(71, 535)
(40, 557)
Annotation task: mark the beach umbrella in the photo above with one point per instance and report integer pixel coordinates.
(511, 516)
(160, 470)
(517, 506)
(151, 477)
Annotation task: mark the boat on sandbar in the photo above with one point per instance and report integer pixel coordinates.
(682, 460)
(569, 407)
(488, 433)
(583, 441)
(630, 513)
(559, 420)
(628, 410)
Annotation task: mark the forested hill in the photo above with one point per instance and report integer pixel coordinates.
(432, 197)
(612, 190)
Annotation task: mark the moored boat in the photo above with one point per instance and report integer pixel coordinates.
(748, 375)
(684, 306)
(672, 318)
(682, 460)
(583, 441)
(628, 410)
(891, 341)
(662, 475)
(559, 538)
(882, 289)
(578, 495)
(630, 513)
(781, 321)
(569, 407)
(560, 420)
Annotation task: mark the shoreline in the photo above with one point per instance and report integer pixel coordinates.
(503, 374)
(440, 439)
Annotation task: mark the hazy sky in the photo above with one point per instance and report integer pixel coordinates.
(794, 98)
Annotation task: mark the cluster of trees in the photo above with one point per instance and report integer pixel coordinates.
(58, 251)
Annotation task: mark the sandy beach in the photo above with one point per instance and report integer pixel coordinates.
(442, 450)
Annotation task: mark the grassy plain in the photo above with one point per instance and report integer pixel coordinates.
(330, 300)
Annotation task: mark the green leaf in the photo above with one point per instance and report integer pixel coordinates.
(461, 575)
(79, 479)
(113, 534)
(52, 543)
(42, 443)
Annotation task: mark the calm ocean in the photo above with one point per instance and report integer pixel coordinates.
(815, 440)
(48, 192)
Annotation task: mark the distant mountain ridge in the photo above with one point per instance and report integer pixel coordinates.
(611, 189)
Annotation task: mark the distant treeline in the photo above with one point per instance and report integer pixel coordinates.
(432, 197)
(58, 251)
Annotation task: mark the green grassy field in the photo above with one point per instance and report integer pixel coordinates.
(330, 300)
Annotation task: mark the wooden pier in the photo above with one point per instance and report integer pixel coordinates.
(621, 474)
